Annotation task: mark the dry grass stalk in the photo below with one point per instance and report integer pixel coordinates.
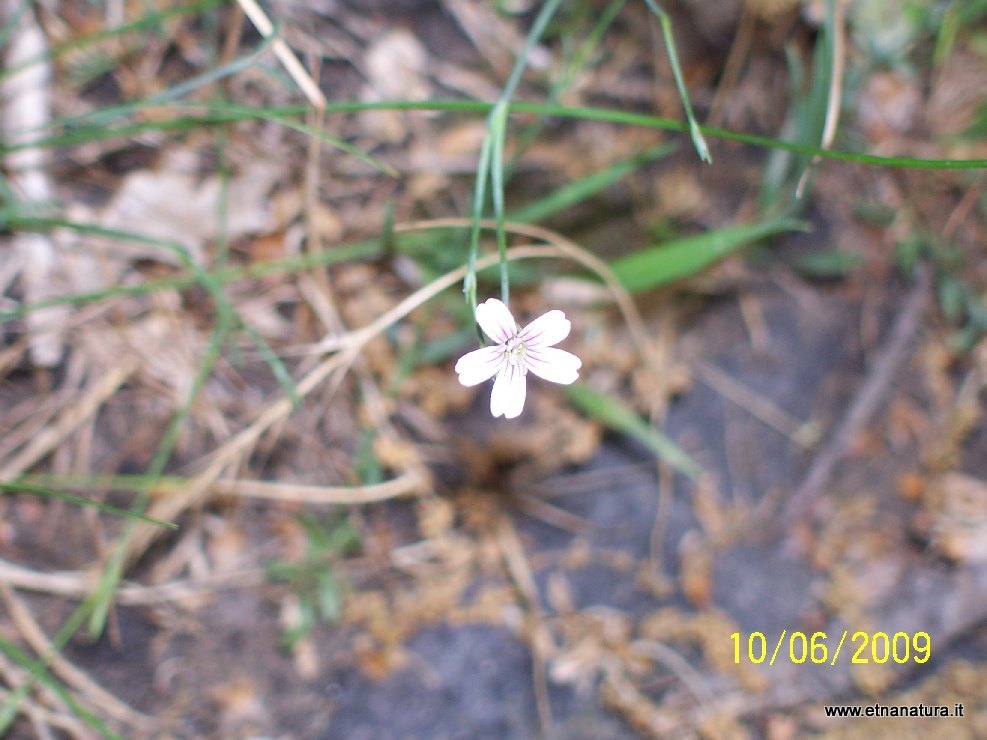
(803, 434)
(493, 37)
(69, 420)
(347, 348)
(349, 345)
(38, 712)
(403, 485)
(573, 251)
(79, 584)
(284, 54)
(11, 355)
(100, 699)
(170, 508)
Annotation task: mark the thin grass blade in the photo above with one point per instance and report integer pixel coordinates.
(615, 414)
(27, 488)
(682, 258)
(695, 130)
(585, 188)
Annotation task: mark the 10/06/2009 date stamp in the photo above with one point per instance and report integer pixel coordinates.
(823, 648)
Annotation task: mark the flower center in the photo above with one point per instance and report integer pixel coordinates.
(514, 351)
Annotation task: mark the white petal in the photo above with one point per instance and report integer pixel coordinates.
(479, 365)
(553, 364)
(496, 321)
(548, 329)
(507, 397)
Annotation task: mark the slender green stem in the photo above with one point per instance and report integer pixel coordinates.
(479, 195)
(492, 162)
(498, 129)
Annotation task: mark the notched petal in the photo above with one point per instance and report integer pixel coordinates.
(555, 365)
(509, 390)
(479, 365)
(548, 329)
(496, 320)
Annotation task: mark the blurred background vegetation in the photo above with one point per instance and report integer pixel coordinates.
(243, 492)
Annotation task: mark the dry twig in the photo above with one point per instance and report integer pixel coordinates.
(866, 401)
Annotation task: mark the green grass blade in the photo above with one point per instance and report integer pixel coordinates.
(202, 276)
(570, 68)
(826, 265)
(27, 488)
(695, 130)
(615, 414)
(585, 188)
(586, 48)
(681, 258)
(226, 317)
(212, 114)
(102, 595)
(146, 21)
(629, 118)
(208, 116)
(102, 482)
(492, 161)
(104, 116)
(364, 249)
(724, 241)
(275, 364)
(9, 708)
(537, 29)
(8, 712)
(335, 141)
(804, 124)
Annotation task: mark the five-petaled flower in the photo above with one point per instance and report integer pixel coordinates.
(515, 353)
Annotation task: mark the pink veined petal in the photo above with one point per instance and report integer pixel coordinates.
(548, 329)
(479, 365)
(507, 397)
(553, 364)
(496, 321)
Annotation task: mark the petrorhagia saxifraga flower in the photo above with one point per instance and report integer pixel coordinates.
(515, 353)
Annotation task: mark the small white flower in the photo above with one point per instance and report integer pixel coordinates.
(515, 353)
